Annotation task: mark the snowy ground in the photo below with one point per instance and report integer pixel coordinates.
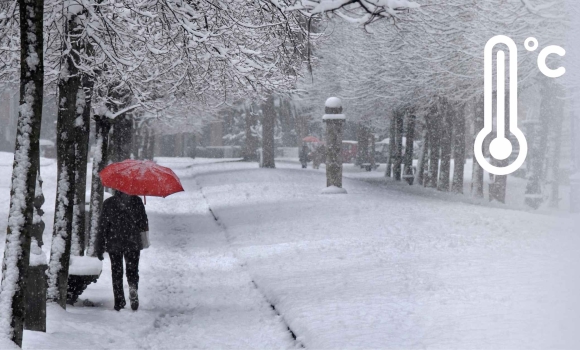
(385, 266)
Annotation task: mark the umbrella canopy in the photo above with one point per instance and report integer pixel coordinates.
(141, 178)
(310, 139)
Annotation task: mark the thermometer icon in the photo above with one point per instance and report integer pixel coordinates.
(500, 147)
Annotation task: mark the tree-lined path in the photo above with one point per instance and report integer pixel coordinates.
(371, 269)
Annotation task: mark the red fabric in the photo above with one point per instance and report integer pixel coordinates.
(141, 178)
(310, 139)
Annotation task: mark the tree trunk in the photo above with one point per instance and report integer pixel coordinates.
(192, 145)
(250, 143)
(121, 139)
(422, 160)
(458, 150)
(149, 143)
(102, 127)
(83, 122)
(498, 183)
(575, 170)
(152, 139)
(433, 121)
(398, 144)
(25, 170)
(538, 136)
(392, 134)
(408, 159)
(445, 129)
(268, 125)
(36, 283)
(68, 90)
(555, 147)
(144, 142)
(362, 154)
(372, 150)
(477, 175)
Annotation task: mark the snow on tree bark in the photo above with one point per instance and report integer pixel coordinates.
(102, 127)
(69, 86)
(82, 125)
(25, 169)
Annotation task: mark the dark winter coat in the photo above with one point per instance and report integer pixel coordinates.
(123, 218)
(303, 156)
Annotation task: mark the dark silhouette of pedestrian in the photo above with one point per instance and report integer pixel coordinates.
(303, 156)
(123, 218)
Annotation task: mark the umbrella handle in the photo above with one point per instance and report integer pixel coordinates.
(145, 200)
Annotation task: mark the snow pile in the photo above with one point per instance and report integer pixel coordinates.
(37, 256)
(85, 266)
(6, 344)
(333, 190)
(333, 116)
(333, 102)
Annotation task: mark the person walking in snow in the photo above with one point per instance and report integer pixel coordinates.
(303, 156)
(318, 156)
(123, 218)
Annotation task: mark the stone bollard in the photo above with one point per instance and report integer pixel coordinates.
(334, 120)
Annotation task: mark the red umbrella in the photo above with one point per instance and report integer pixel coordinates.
(310, 139)
(141, 178)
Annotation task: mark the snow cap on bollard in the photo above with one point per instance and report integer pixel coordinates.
(333, 109)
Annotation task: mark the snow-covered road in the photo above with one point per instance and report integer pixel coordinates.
(382, 268)
(377, 268)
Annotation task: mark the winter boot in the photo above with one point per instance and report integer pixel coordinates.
(134, 297)
(119, 305)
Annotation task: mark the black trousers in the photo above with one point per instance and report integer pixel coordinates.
(132, 266)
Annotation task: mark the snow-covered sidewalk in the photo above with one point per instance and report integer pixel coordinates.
(376, 268)
(194, 292)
